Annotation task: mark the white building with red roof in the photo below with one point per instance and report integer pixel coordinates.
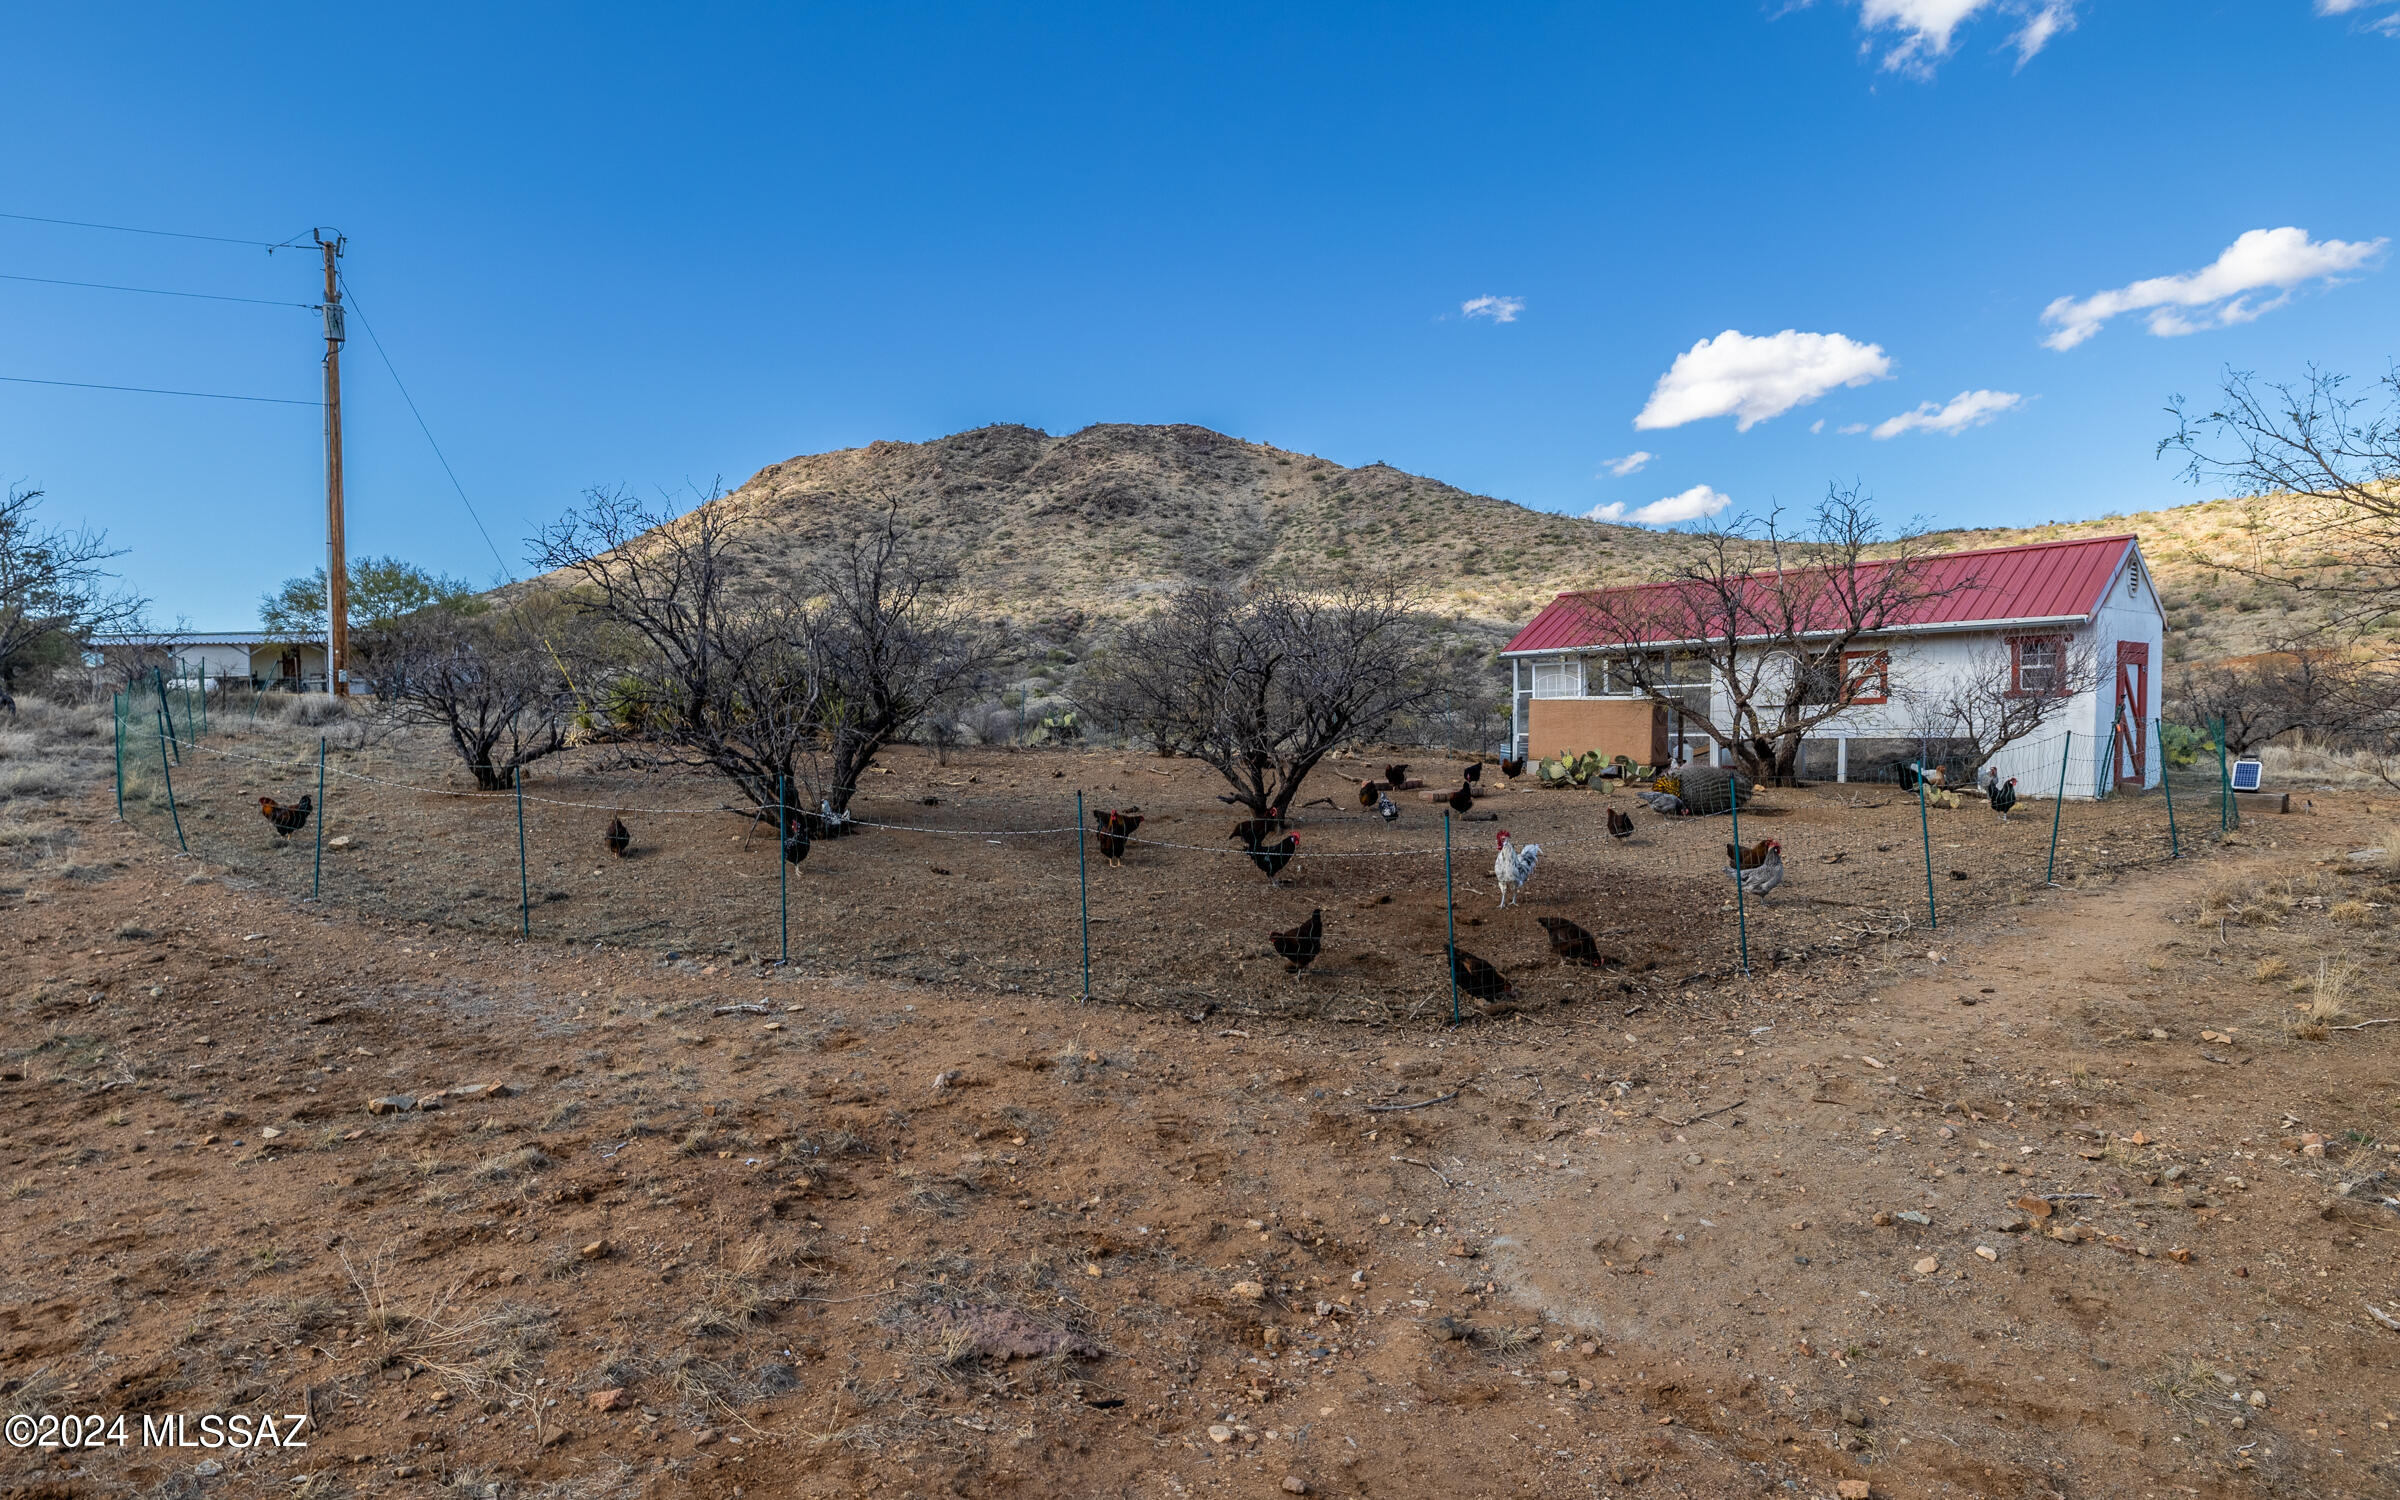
(2018, 618)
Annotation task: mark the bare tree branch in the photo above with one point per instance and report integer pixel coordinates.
(54, 592)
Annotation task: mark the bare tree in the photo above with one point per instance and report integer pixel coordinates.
(2257, 698)
(55, 592)
(1262, 684)
(776, 687)
(487, 681)
(1986, 705)
(2329, 461)
(1775, 620)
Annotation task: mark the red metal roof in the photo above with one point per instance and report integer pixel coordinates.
(1989, 586)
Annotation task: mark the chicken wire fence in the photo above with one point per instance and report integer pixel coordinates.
(987, 869)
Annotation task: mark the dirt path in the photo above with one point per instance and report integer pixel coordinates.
(839, 1237)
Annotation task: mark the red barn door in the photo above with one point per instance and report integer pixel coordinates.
(2133, 704)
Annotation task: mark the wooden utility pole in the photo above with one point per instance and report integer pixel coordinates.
(337, 564)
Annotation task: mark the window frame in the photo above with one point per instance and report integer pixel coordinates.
(1879, 673)
(2016, 664)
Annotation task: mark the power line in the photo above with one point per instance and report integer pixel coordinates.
(146, 390)
(389, 368)
(172, 234)
(105, 286)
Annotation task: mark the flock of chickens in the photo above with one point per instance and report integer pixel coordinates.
(1757, 868)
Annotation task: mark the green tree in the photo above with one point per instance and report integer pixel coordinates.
(383, 590)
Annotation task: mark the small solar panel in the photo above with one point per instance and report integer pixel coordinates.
(2246, 774)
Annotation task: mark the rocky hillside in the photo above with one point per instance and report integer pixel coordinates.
(1062, 535)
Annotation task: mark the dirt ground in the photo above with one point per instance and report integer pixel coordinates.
(571, 1217)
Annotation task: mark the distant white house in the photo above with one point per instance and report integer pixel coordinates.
(222, 657)
(2037, 605)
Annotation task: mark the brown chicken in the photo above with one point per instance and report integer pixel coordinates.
(1750, 858)
(619, 838)
(1512, 769)
(1256, 830)
(1620, 824)
(1300, 946)
(1571, 943)
(1368, 791)
(287, 818)
(1112, 830)
(1462, 800)
(1478, 980)
(1395, 777)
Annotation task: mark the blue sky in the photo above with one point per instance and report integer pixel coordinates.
(657, 245)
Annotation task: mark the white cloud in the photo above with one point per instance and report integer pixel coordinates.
(1962, 411)
(1758, 378)
(2217, 295)
(1498, 309)
(1924, 31)
(1695, 504)
(1631, 463)
(2387, 24)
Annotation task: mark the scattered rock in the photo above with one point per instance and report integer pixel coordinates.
(596, 1250)
(1218, 1432)
(2073, 1234)
(480, 1091)
(1927, 1266)
(207, 1468)
(2036, 1208)
(555, 1436)
(2385, 1318)
(1249, 1291)
(429, 1101)
(704, 1437)
(612, 1399)
(1853, 1417)
(1450, 1329)
(1293, 1484)
(1987, 1252)
(391, 1104)
(340, 841)
(1559, 1377)
(1852, 1489)
(269, 1133)
(1912, 1216)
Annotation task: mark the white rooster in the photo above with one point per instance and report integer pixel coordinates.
(1514, 867)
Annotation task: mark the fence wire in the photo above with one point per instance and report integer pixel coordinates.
(976, 870)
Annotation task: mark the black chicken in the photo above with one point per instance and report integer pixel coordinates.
(1478, 980)
(1271, 858)
(1113, 830)
(1299, 947)
(795, 838)
(619, 838)
(288, 818)
(1395, 777)
(1473, 774)
(1620, 824)
(2002, 794)
(1512, 769)
(1462, 801)
(1571, 943)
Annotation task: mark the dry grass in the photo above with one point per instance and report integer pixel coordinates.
(34, 778)
(2352, 914)
(2269, 969)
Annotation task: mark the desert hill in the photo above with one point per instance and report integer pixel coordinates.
(1063, 534)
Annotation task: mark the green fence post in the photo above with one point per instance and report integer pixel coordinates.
(317, 882)
(2227, 818)
(2066, 755)
(783, 866)
(1083, 884)
(1741, 911)
(116, 725)
(166, 714)
(524, 883)
(169, 772)
(2166, 784)
(1933, 918)
(1450, 914)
